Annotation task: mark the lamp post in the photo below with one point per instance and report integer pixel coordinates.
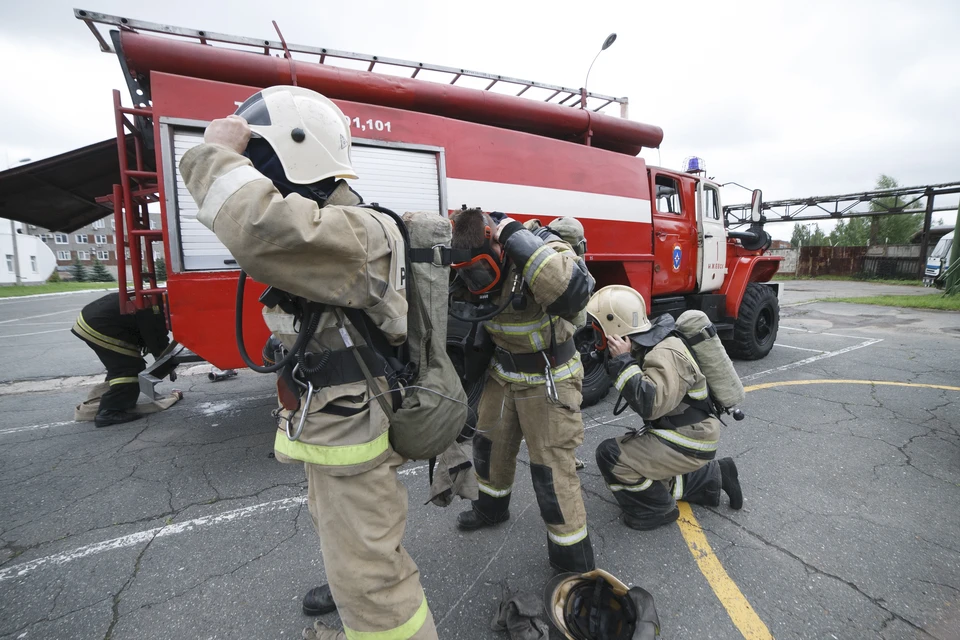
(606, 45)
(13, 239)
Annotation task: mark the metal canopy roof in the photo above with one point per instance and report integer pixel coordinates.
(59, 193)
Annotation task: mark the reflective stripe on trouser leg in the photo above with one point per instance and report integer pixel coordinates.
(122, 379)
(553, 432)
(638, 496)
(495, 449)
(361, 520)
(701, 486)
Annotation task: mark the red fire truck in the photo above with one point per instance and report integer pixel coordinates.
(424, 145)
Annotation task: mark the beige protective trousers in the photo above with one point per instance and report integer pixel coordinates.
(511, 412)
(374, 581)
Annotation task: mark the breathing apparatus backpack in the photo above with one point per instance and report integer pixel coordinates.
(434, 408)
(427, 406)
(723, 383)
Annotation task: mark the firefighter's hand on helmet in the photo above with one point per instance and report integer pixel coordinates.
(501, 225)
(618, 346)
(231, 132)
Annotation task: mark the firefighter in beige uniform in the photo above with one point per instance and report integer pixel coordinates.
(672, 456)
(291, 223)
(533, 386)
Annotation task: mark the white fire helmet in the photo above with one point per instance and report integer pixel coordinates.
(307, 131)
(619, 310)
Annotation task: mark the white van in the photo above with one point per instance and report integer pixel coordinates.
(938, 262)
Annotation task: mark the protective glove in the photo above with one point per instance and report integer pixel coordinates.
(518, 614)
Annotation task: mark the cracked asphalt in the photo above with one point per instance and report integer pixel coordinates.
(182, 525)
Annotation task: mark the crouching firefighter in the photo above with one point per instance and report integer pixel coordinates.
(671, 456)
(534, 284)
(268, 182)
(120, 341)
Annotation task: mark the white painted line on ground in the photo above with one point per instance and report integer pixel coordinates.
(35, 333)
(54, 295)
(42, 315)
(36, 426)
(787, 346)
(20, 570)
(822, 333)
(812, 359)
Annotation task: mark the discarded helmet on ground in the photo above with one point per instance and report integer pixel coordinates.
(596, 605)
(308, 132)
(619, 310)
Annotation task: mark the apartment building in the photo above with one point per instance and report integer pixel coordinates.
(95, 241)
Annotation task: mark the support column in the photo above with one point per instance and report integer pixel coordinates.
(925, 238)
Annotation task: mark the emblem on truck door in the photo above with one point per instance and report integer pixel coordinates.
(677, 256)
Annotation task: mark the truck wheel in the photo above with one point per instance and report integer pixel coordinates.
(596, 382)
(756, 328)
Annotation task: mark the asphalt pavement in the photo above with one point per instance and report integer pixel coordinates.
(182, 525)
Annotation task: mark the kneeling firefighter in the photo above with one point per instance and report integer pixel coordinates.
(279, 204)
(671, 457)
(536, 285)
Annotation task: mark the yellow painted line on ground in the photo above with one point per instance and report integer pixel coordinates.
(738, 608)
(787, 383)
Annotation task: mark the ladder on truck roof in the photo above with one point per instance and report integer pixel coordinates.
(566, 96)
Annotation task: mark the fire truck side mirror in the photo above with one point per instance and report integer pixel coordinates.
(756, 204)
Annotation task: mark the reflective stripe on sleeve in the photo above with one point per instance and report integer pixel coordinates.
(494, 493)
(699, 394)
(539, 258)
(683, 441)
(221, 190)
(331, 456)
(569, 539)
(643, 486)
(625, 375)
(405, 631)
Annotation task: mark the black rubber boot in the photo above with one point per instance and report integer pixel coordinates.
(319, 601)
(730, 482)
(109, 418)
(650, 522)
(472, 520)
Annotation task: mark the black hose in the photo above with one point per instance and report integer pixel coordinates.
(298, 346)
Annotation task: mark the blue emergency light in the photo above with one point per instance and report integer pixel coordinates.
(693, 164)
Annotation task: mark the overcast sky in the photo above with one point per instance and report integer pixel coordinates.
(796, 98)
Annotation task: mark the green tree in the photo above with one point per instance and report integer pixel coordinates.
(854, 232)
(808, 235)
(100, 273)
(160, 268)
(898, 228)
(54, 277)
(78, 271)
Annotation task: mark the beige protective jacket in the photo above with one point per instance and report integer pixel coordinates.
(341, 255)
(660, 389)
(557, 286)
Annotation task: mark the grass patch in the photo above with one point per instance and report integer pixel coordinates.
(907, 283)
(53, 287)
(932, 301)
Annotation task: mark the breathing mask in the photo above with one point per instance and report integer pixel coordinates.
(484, 271)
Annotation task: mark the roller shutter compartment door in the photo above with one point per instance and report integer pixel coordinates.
(398, 179)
